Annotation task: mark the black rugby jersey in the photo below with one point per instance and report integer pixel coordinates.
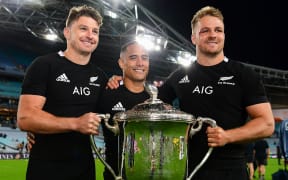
(221, 92)
(70, 90)
(113, 101)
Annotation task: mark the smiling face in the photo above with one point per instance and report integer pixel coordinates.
(82, 35)
(208, 36)
(134, 62)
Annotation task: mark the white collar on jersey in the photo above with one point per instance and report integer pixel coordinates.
(226, 59)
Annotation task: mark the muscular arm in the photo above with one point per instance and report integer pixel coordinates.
(31, 117)
(260, 126)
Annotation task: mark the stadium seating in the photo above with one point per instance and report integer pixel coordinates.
(12, 140)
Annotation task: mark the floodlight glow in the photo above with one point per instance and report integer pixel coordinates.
(147, 43)
(185, 58)
(140, 30)
(158, 40)
(157, 48)
(149, 39)
(34, 3)
(111, 14)
(165, 44)
(136, 11)
(51, 37)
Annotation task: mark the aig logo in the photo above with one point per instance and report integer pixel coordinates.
(203, 90)
(81, 91)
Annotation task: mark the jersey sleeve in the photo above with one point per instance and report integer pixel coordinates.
(254, 91)
(36, 77)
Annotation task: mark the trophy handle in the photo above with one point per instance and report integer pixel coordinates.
(200, 121)
(115, 130)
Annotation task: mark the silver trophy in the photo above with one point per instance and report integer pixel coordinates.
(155, 140)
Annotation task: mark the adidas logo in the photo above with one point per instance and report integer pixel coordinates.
(118, 107)
(63, 78)
(184, 80)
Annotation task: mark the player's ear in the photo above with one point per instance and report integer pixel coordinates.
(66, 32)
(193, 38)
(121, 63)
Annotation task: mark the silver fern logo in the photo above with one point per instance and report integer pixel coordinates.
(228, 80)
(92, 81)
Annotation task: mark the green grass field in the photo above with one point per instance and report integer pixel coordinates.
(15, 169)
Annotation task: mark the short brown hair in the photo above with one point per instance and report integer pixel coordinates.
(76, 12)
(206, 11)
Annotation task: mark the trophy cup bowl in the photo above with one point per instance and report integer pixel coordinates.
(154, 144)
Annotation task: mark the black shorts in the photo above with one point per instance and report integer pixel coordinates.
(250, 159)
(261, 161)
(212, 174)
(60, 170)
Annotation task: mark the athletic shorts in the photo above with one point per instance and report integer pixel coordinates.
(233, 174)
